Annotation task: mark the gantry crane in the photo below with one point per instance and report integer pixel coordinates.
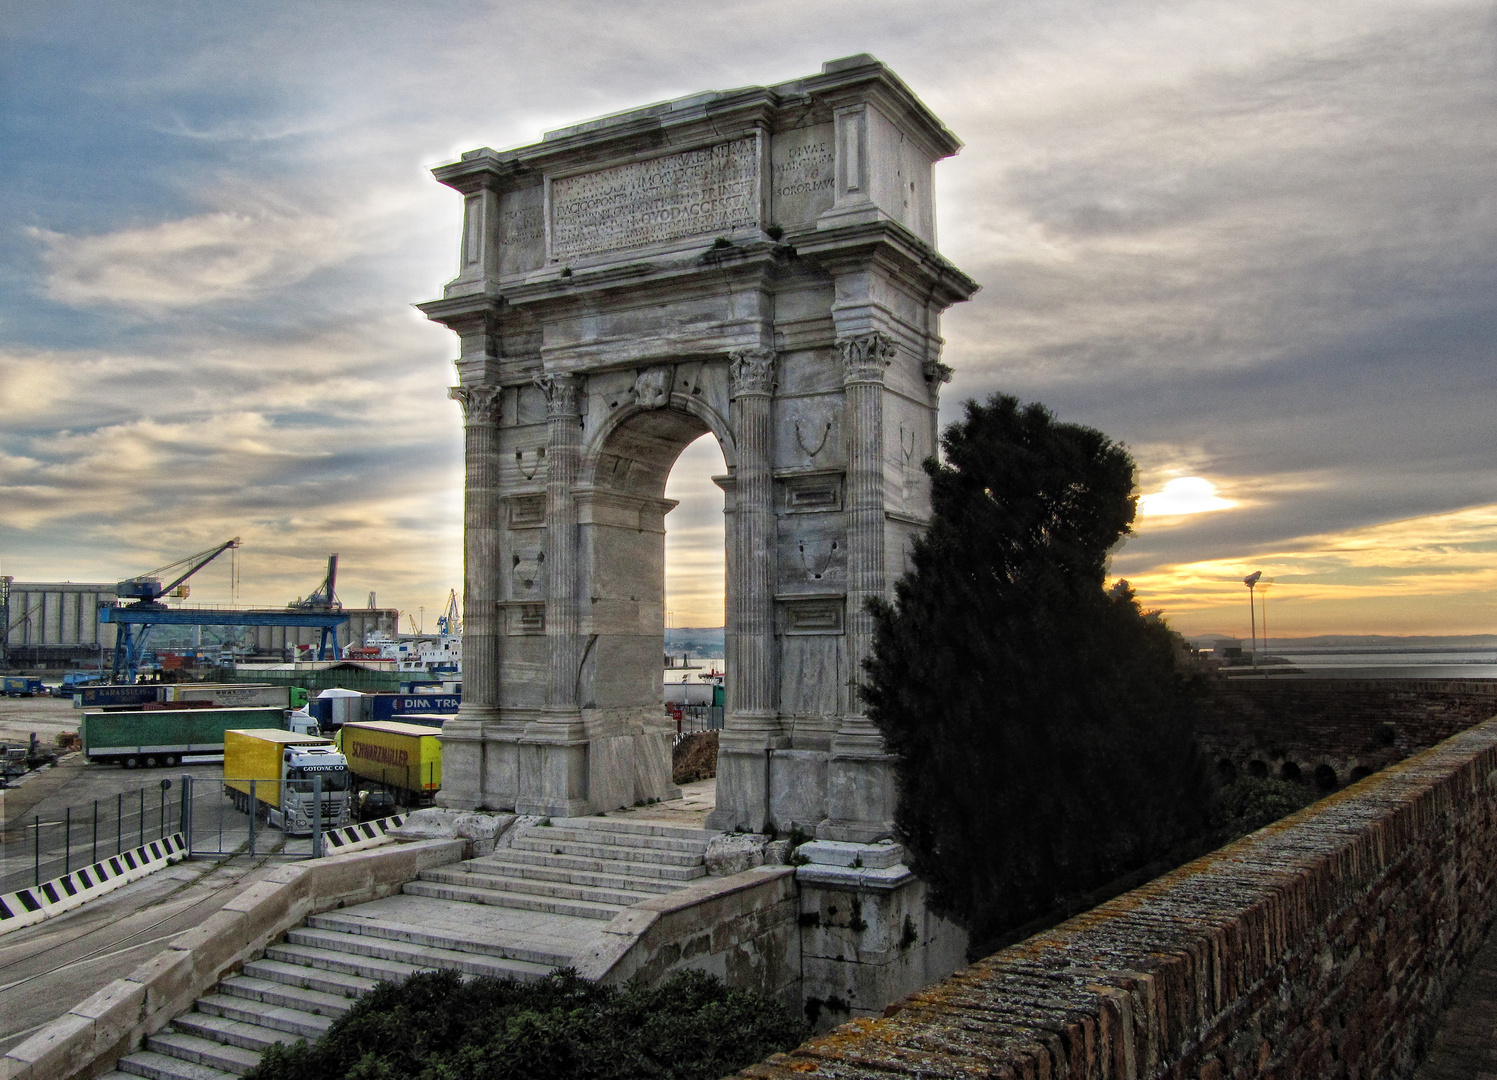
(320, 610)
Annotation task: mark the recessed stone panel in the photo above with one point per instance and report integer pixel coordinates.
(802, 176)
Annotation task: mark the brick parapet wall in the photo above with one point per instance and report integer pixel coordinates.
(1322, 946)
(1353, 726)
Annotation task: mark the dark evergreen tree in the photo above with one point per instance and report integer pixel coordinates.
(1043, 726)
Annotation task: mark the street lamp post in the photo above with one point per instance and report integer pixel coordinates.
(1251, 581)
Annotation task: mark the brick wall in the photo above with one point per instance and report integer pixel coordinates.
(1322, 946)
(1351, 727)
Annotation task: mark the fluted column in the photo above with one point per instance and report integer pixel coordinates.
(864, 360)
(752, 685)
(481, 536)
(553, 761)
(563, 465)
(860, 778)
(751, 731)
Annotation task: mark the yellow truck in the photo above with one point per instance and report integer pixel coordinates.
(271, 773)
(405, 759)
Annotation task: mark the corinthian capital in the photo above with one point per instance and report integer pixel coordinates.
(752, 371)
(865, 357)
(481, 403)
(562, 393)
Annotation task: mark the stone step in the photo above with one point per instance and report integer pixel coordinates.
(517, 901)
(292, 997)
(522, 857)
(230, 1059)
(562, 845)
(245, 1034)
(413, 946)
(642, 828)
(309, 961)
(310, 978)
(295, 1023)
(530, 886)
(156, 1066)
(532, 872)
(617, 838)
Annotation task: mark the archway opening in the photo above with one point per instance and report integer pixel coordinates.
(695, 604)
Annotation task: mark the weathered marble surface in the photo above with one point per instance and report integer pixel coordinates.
(759, 264)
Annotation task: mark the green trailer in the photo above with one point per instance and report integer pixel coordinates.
(149, 739)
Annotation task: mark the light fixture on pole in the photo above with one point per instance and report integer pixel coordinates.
(1251, 581)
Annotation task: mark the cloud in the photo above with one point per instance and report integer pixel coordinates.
(1253, 242)
(207, 259)
(1431, 574)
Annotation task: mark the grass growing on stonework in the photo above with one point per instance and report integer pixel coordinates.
(436, 1026)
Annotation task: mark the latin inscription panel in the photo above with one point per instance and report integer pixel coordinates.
(696, 193)
(802, 175)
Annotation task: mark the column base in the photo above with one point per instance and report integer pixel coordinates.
(462, 765)
(743, 768)
(860, 786)
(553, 768)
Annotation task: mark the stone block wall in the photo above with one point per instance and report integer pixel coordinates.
(1325, 945)
(1292, 728)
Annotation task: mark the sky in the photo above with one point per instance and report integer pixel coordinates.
(1252, 242)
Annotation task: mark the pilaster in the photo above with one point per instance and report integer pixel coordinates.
(860, 779)
(462, 741)
(553, 750)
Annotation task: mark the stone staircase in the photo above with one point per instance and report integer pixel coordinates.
(519, 913)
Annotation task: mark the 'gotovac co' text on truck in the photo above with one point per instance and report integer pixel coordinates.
(405, 759)
(149, 739)
(271, 773)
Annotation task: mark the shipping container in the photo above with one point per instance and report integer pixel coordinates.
(149, 739)
(91, 697)
(389, 706)
(236, 695)
(20, 686)
(406, 757)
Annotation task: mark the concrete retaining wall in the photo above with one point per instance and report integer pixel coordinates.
(1325, 945)
(741, 928)
(88, 1039)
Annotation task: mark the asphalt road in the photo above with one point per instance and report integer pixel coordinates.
(48, 968)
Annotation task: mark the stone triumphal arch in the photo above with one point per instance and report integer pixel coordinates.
(759, 264)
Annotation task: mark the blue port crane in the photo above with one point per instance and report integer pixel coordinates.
(451, 619)
(145, 610)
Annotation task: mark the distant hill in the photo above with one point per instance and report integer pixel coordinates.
(1353, 642)
(695, 640)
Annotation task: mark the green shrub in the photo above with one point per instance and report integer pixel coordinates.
(435, 1026)
(1251, 802)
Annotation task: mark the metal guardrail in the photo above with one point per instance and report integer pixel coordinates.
(691, 719)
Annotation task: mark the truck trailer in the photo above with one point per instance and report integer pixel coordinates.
(21, 686)
(405, 759)
(272, 773)
(149, 739)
